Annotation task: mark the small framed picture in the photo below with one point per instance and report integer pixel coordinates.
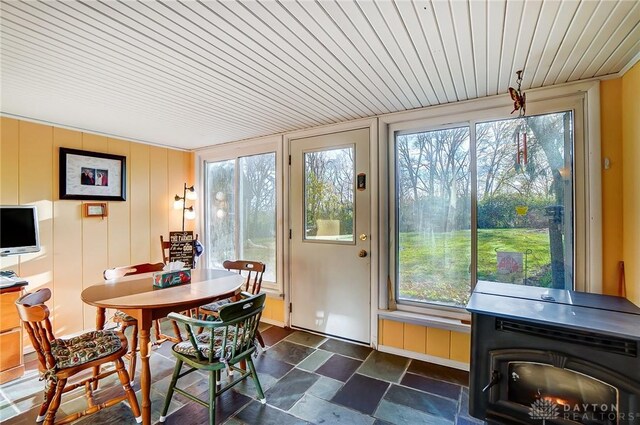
(92, 176)
(95, 210)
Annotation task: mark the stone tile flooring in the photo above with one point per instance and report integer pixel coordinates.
(306, 379)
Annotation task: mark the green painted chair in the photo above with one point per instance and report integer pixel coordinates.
(225, 342)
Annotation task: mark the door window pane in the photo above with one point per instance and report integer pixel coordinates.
(258, 211)
(241, 211)
(525, 200)
(220, 213)
(328, 195)
(433, 217)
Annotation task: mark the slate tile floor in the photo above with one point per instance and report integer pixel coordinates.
(306, 379)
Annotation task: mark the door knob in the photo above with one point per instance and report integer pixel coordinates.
(362, 253)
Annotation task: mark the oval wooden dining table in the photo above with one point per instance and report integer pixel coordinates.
(137, 297)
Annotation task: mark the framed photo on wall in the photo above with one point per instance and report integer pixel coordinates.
(92, 175)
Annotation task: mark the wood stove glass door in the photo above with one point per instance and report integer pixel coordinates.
(525, 192)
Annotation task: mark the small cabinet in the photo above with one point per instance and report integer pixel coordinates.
(11, 360)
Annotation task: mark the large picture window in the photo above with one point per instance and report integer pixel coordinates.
(486, 200)
(241, 211)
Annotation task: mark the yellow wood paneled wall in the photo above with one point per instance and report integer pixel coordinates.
(75, 250)
(274, 310)
(425, 340)
(631, 181)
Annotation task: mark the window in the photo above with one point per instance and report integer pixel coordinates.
(433, 221)
(328, 195)
(490, 199)
(241, 211)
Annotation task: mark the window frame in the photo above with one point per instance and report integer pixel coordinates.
(235, 151)
(583, 100)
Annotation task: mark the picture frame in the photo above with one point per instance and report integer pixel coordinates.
(92, 209)
(90, 176)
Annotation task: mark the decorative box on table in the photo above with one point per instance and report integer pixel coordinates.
(166, 279)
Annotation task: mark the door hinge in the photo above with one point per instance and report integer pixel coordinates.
(289, 233)
(289, 159)
(290, 307)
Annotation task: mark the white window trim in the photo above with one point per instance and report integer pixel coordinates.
(235, 150)
(582, 96)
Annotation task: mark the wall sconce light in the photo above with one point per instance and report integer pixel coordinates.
(179, 203)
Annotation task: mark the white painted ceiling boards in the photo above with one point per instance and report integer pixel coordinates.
(196, 73)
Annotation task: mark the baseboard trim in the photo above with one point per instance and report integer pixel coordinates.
(424, 357)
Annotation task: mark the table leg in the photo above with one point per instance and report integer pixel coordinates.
(100, 319)
(145, 373)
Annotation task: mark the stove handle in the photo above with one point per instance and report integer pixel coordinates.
(495, 378)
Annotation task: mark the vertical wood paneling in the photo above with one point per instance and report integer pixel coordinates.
(415, 338)
(95, 242)
(140, 208)
(67, 245)
(36, 188)
(9, 154)
(176, 171)
(393, 334)
(118, 220)
(9, 151)
(159, 200)
(460, 349)
(611, 147)
(438, 341)
(76, 250)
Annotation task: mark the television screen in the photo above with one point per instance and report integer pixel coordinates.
(18, 229)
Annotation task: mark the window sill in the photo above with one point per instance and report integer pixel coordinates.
(421, 319)
(273, 293)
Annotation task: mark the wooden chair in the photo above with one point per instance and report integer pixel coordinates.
(164, 246)
(228, 340)
(61, 359)
(254, 271)
(125, 321)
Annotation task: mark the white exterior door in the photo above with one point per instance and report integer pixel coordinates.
(330, 234)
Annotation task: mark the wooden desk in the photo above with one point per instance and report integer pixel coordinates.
(136, 296)
(11, 360)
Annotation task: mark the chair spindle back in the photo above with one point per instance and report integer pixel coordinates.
(254, 271)
(35, 316)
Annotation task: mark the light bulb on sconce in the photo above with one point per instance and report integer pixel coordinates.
(189, 213)
(190, 193)
(179, 203)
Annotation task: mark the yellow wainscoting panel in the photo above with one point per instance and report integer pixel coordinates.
(75, 249)
(438, 341)
(415, 338)
(274, 309)
(425, 340)
(393, 334)
(460, 349)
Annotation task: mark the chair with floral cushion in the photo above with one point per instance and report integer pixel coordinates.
(227, 341)
(254, 270)
(61, 359)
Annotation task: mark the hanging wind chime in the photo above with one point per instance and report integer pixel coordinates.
(520, 135)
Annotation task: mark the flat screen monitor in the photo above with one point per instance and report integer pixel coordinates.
(18, 229)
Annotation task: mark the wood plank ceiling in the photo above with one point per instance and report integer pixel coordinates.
(192, 74)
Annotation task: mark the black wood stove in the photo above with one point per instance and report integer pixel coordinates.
(549, 356)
